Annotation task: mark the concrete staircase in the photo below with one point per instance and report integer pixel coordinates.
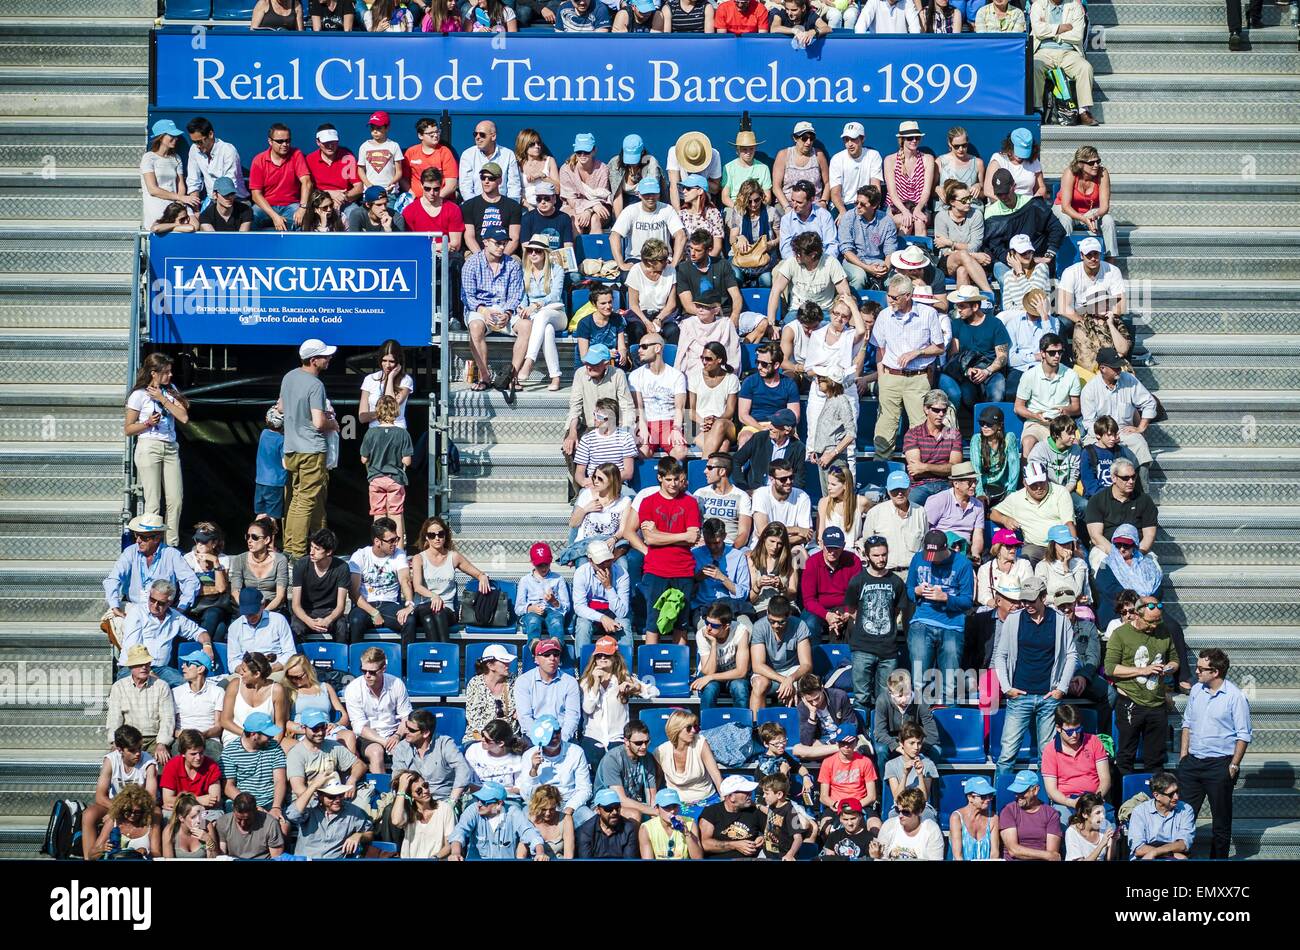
(72, 128)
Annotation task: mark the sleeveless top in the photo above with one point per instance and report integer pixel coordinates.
(633, 26)
(850, 530)
(1083, 201)
(818, 352)
(909, 187)
(303, 702)
(555, 846)
(972, 848)
(121, 776)
(278, 21)
(943, 23)
(684, 22)
(692, 783)
(441, 579)
(200, 852)
(663, 839)
(242, 710)
(811, 173)
(948, 171)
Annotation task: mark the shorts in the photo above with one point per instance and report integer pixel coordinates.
(660, 432)
(386, 496)
(1035, 429)
(748, 321)
(268, 500)
(774, 686)
(473, 315)
(653, 587)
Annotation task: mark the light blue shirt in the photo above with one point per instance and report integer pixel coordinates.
(1025, 334)
(142, 627)
(132, 575)
(734, 564)
(532, 591)
(479, 839)
(560, 698)
(320, 833)
(1146, 826)
(586, 587)
(819, 222)
(271, 636)
(568, 772)
(472, 161)
(1216, 721)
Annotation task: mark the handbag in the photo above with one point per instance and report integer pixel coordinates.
(756, 258)
(1059, 102)
(492, 609)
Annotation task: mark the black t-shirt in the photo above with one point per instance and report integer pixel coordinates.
(399, 224)
(877, 601)
(744, 825)
(536, 223)
(320, 593)
(238, 215)
(331, 21)
(809, 19)
(840, 844)
(1139, 511)
(495, 214)
(712, 285)
(779, 834)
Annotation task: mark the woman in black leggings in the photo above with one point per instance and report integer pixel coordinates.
(433, 572)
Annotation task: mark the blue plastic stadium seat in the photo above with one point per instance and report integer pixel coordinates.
(695, 479)
(392, 650)
(646, 474)
(786, 716)
(1010, 421)
(828, 657)
(222, 657)
(670, 353)
(451, 721)
(812, 484)
(721, 715)
(1135, 782)
(886, 799)
(911, 240)
(872, 473)
(656, 719)
(1027, 742)
(1087, 716)
(669, 665)
(748, 358)
(224, 10)
(382, 781)
(593, 246)
(508, 588)
(879, 296)
(432, 669)
(961, 734)
(585, 654)
(1069, 251)
(196, 10)
(757, 299)
(1005, 796)
(324, 654)
(868, 413)
(951, 796)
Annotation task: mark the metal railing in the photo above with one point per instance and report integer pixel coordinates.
(139, 330)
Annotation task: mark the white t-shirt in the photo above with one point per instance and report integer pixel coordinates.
(1085, 291)
(196, 710)
(1077, 846)
(712, 400)
(505, 769)
(654, 294)
(374, 385)
(726, 649)
(168, 174)
(794, 512)
(120, 776)
(380, 160)
(604, 522)
(851, 175)
(379, 582)
(146, 405)
(1022, 174)
(925, 845)
(658, 392)
(639, 226)
(817, 285)
(728, 508)
(713, 171)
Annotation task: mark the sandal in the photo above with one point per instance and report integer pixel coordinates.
(478, 387)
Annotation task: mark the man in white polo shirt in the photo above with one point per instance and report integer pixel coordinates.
(1045, 392)
(854, 166)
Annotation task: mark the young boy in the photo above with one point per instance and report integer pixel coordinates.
(775, 760)
(1059, 454)
(851, 841)
(270, 476)
(911, 769)
(542, 598)
(848, 774)
(126, 764)
(1098, 456)
(380, 161)
(783, 835)
(386, 453)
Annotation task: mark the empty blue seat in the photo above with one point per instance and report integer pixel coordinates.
(828, 657)
(1136, 782)
(391, 650)
(382, 781)
(593, 246)
(668, 664)
(1087, 715)
(224, 10)
(585, 655)
(1068, 252)
(868, 413)
(951, 797)
(786, 716)
(748, 358)
(879, 296)
(324, 654)
(197, 10)
(670, 353)
(812, 483)
(646, 474)
(756, 299)
(1027, 742)
(961, 734)
(451, 721)
(508, 588)
(695, 478)
(716, 716)
(914, 240)
(1010, 421)
(474, 653)
(223, 665)
(432, 669)
(656, 720)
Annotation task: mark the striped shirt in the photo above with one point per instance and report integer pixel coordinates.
(895, 334)
(935, 450)
(1015, 286)
(253, 772)
(595, 449)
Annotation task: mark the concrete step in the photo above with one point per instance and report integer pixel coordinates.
(1152, 101)
(67, 471)
(124, 43)
(1269, 321)
(98, 358)
(1226, 489)
(58, 726)
(18, 12)
(1261, 657)
(74, 92)
(1197, 534)
(106, 144)
(1192, 148)
(1184, 372)
(1219, 595)
(549, 488)
(1180, 19)
(53, 193)
(66, 252)
(59, 302)
(1210, 200)
(61, 530)
(1228, 253)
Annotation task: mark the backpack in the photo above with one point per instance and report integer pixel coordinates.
(63, 833)
(492, 609)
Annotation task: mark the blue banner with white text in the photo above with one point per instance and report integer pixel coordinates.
(270, 288)
(907, 77)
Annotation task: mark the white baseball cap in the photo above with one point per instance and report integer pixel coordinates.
(327, 135)
(1021, 243)
(499, 653)
(853, 130)
(314, 347)
(1089, 245)
(801, 127)
(737, 783)
(1035, 473)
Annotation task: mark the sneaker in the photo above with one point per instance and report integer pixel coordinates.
(1234, 42)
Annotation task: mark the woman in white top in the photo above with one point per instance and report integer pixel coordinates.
(909, 836)
(1089, 836)
(1004, 565)
(688, 765)
(606, 687)
(162, 177)
(652, 294)
(839, 343)
(603, 512)
(1061, 567)
(390, 380)
(842, 507)
(498, 756)
(250, 693)
(433, 578)
(536, 165)
(426, 824)
(544, 304)
(1019, 156)
(714, 390)
(152, 411)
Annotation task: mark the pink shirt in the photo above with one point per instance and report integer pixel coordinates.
(1075, 774)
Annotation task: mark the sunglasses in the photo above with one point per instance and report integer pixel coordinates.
(905, 813)
(280, 141)
(1158, 605)
(714, 625)
(939, 409)
(487, 177)
(902, 296)
(763, 364)
(541, 198)
(480, 135)
(805, 137)
(961, 144)
(1124, 478)
(782, 478)
(160, 603)
(435, 534)
(254, 537)
(1072, 730)
(1053, 352)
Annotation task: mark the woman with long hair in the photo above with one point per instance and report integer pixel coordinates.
(995, 453)
(331, 16)
(602, 512)
(304, 692)
(830, 443)
(713, 389)
(388, 16)
(498, 755)
(186, 834)
(536, 165)
(553, 823)
(940, 16)
(419, 822)
(772, 568)
(838, 344)
(391, 379)
(842, 507)
(433, 578)
(442, 16)
(687, 763)
(1018, 154)
(960, 164)
(698, 213)
(213, 608)
(249, 692)
(608, 439)
(491, 16)
(261, 566)
(321, 216)
(162, 177)
(910, 181)
(133, 824)
(175, 218)
(544, 305)
(490, 693)
(584, 188)
(153, 409)
(1088, 835)
(749, 220)
(607, 686)
(959, 230)
(278, 15)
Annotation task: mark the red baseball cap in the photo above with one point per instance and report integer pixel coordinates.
(849, 804)
(547, 645)
(540, 553)
(380, 118)
(605, 646)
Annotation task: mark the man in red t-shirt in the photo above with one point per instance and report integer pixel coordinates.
(280, 182)
(333, 169)
(432, 214)
(740, 16)
(427, 153)
(848, 773)
(670, 526)
(191, 771)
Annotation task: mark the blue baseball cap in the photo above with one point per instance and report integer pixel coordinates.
(646, 6)
(261, 722)
(1025, 779)
(783, 418)
(373, 194)
(1023, 142)
(977, 785)
(847, 732)
(224, 185)
(198, 658)
(896, 480)
(491, 792)
(597, 353)
(544, 730)
(250, 601)
(496, 234)
(667, 797)
(833, 537)
(695, 181)
(313, 717)
(584, 142)
(1060, 534)
(648, 186)
(166, 127)
(605, 798)
(633, 149)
